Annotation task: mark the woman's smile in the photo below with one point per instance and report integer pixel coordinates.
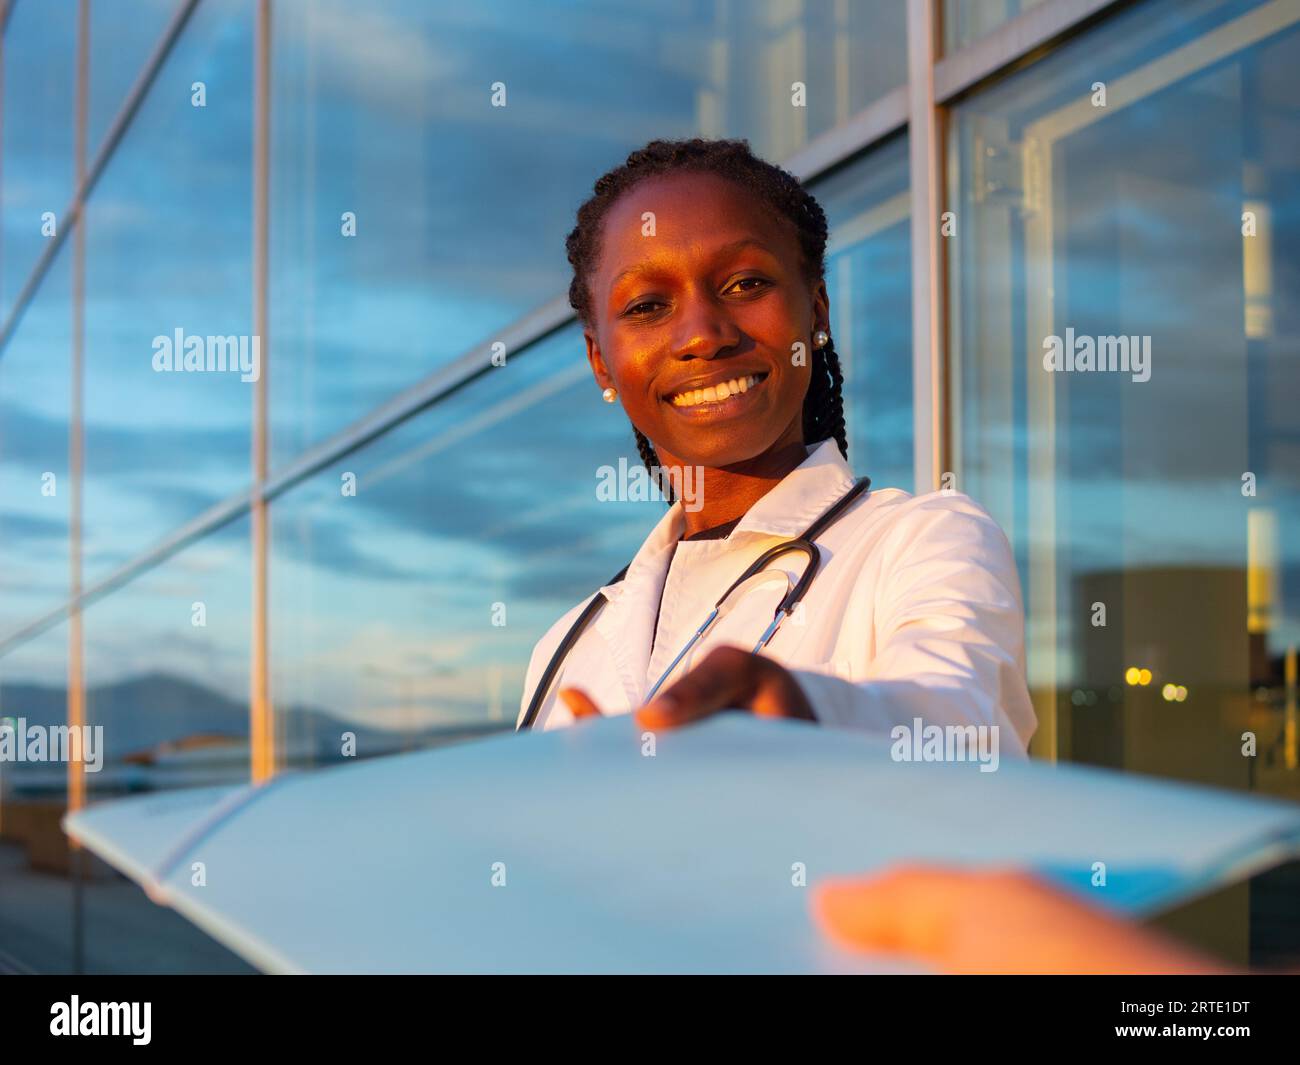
(718, 396)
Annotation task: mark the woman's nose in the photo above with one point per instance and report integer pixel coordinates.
(703, 330)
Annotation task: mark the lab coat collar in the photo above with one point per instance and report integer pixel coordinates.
(798, 500)
(627, 622)
(802, 496)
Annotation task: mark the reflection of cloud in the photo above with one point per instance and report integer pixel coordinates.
(367, 54)
(380, 672)
(130, 633)
(18, 529)
(465, 517)
(124, 210)
(388, 65)
(32, 440)
(339, 547)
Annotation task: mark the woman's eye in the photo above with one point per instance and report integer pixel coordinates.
(742, 285)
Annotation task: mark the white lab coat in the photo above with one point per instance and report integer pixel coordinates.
(916, 611)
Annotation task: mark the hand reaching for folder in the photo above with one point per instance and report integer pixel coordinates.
(728, 678)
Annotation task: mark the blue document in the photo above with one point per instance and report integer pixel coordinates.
(600, 849)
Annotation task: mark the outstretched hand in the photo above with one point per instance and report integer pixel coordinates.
(728, 678)
(991, 921)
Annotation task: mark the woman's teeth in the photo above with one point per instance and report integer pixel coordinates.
(715, 393)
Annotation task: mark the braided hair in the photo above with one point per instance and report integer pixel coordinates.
(823, 407)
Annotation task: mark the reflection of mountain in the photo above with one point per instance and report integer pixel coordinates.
(140, 713)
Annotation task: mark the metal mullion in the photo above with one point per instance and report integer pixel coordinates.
(923, 150)
(76, 693)
(6, 8)
(261, 730)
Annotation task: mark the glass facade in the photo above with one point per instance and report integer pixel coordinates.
(423, 164)
(35, 479)
(37, 136)
(402, 236)
(966, 21)
(868, 263)
(1160, 215)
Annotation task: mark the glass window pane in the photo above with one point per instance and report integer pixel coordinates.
(36, 165)
(35, 486)
(35, 868)
(869, 281)
(169, 300)
(384, 127)
(1157, 232)
(410, 581)
(123, 35)
(167, 679)
(965, 21)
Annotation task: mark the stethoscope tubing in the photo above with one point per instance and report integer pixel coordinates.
(789, 601)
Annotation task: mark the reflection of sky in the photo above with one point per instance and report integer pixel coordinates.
(488, 498)
(461, 214)
(383, 600)
(387, 115)
(34, 402)
(119, 46)
(39, 67)
(39, 86)
(869, 282)
(874, 341)
(168, 245)
(1146, 204)
(381, 111)
(147, 626)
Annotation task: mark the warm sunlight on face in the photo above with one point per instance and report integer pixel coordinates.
(697, 324)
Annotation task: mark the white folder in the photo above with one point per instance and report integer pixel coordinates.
(586, 850)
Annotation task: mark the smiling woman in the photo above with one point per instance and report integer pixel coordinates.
(699, 280)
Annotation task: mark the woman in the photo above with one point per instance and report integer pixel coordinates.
(698, 277)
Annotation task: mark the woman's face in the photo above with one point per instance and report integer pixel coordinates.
(708, 293)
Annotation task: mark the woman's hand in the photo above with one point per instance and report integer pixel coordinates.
(991, 921)
(727, 679)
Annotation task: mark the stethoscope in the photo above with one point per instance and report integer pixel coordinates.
(804, 545)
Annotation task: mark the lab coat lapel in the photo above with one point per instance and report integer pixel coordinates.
(626, 624)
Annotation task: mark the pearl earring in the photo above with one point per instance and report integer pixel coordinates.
(610, 394)
(821, 338)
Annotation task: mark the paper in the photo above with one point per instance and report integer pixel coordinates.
(575, 851)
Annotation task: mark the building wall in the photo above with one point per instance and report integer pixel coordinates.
(368, 538)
